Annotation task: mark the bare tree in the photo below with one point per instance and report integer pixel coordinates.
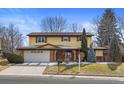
(53, 24)
(98, 35)
(11, 38)
(74, 27)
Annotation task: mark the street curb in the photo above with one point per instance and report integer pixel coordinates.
(68, 76)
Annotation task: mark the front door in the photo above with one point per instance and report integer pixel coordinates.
(64, 55)
(68, 56)
(60, 55)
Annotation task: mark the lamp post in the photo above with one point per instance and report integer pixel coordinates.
(79, 61)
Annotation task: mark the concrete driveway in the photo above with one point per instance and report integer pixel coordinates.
(23, 70)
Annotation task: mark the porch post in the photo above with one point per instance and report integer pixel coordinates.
(54, 54)
(74, 54)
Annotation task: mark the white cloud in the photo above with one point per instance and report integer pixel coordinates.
(25, 24)
(89, 27)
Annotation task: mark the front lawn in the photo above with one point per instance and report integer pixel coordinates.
(88, 69)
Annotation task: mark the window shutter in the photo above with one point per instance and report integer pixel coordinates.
(69, 38)
(62, 38)
(45, 39)
(36, 39)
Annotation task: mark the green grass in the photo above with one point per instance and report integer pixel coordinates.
(88, 69)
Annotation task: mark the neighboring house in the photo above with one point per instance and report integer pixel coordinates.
(52, 46)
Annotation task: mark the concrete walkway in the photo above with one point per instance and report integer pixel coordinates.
(23, 70)
(32, 64)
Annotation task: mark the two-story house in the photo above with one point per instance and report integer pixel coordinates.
(51, 46)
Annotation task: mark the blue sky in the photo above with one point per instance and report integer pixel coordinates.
(28, 19)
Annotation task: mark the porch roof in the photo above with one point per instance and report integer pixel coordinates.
(100, 48)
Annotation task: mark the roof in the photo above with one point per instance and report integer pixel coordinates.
(100, 48)
(66, 47)
(41, 47)
(58, 34)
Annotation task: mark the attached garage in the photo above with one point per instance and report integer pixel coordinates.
(37, 56)
(38, 53)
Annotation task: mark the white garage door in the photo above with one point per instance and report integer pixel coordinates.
(36, 56)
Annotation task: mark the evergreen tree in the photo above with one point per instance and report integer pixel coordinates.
(115, 53)
(84, 47)
(107, 28)
(91, 55)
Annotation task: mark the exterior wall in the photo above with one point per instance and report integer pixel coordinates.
(89, 41)
(32, 40)
(99, 55)
(57, 41)
(99, 58)
(99, 52)
(52, 56)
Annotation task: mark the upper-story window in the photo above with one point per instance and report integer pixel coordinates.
(79, 38)
(41, 39)
(65, 38)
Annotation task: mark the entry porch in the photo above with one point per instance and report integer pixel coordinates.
(64, 55)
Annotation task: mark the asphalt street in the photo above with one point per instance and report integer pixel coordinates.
(53, 80)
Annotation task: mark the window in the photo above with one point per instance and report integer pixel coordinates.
(66, 38)
(41, 39)
(79, 38)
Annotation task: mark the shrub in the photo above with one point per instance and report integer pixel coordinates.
(91, 55)
(13, 58)
(3, 62)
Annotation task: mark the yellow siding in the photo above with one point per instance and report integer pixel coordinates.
(57, 41)
(89, 41)
(99, 52)
(32, 40)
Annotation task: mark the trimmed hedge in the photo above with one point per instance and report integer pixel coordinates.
(13, 58)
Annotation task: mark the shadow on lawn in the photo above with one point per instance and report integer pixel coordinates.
(114, 66)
